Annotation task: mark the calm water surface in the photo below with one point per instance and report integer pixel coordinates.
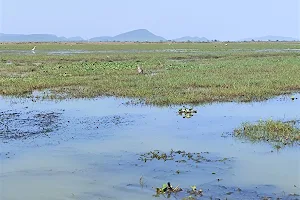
(93, 150)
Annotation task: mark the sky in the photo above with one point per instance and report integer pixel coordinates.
(213, 19)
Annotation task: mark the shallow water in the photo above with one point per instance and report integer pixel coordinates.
(73, 51)
(279, 50)
(171, 49)
(93, 151)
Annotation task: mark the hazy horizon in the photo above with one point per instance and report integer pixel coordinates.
(215, 19)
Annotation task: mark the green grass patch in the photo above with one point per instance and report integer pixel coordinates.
(179, 73)
(277, 133)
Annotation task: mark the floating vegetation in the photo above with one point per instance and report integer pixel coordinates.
(186, 112)
(276, 132)
(167, 188)
(223, 192)
(178, 156)
(293, 98)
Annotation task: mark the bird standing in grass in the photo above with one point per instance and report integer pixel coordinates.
(140, 70)
(32, 50)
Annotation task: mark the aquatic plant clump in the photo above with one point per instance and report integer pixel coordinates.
(178, 157)
(276, 132)
(168, 189)
(186, 112)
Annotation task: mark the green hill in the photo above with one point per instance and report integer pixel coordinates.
(191, 39)
(139, 35)
(36, 38)
(271, 38)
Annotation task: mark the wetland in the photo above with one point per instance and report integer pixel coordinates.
(204, 121)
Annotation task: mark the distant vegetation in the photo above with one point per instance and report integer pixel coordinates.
(191, 39)
(271, 38)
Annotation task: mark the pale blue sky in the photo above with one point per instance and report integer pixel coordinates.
(214, 19)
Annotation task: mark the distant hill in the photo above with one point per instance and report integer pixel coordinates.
(271, 38)
(101, 39)
(75, 39)
(36, 38)
(139, 35)
(30, 38)
(191, 39)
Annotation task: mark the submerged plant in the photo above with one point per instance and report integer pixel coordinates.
(142, 181)
(276, 132)
(189, 198)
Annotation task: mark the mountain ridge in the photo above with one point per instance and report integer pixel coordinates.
(138, 35)
(271, 38)
(36, 38)
(191, 39)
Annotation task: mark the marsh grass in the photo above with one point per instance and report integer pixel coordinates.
(236, 72)
(277, 133)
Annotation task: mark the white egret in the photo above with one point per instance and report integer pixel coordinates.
(140, 70)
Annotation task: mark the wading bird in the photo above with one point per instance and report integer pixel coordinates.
(33, 48)
(140, 70)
